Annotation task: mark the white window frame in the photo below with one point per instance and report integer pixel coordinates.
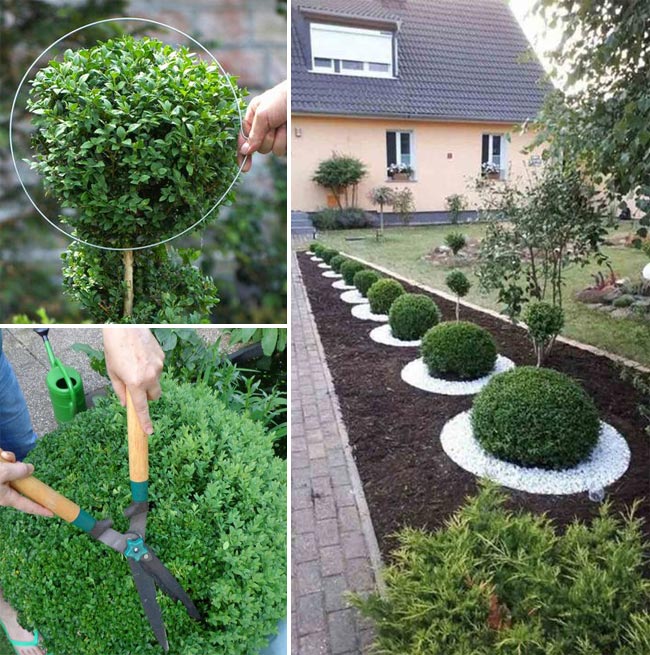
(351, 31)
(398, 149)
(503, 163)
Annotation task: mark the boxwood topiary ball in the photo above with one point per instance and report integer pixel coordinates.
(382, 294)
(217, 520)
(312, 246)
(336, 263)
(364, 279)
(349, 269)
(459, 350)
(328, 254)
(318, 249)
(411, 315)
(536, 417)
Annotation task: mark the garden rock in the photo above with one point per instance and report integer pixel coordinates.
(384, 335)
(364, 312)
(353, 297)
(340, 284)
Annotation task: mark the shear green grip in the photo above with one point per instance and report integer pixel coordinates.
(84, 521)
(140, 491)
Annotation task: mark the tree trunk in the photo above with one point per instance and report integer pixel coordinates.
(381, 219)
(128, 282)
(457, 309)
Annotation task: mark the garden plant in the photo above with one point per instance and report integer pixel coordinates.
(545, 322)
(497, 581)
(381, 196)
(456, 241)
(364, 279)
(411, 315)
(137, 141)
(455, 203)
(458, 351)
(403, 204)
(536, 417)
(327, 254)
(213, 474)
(341, 174)
(459, 285)
(349, 269)
(382, 294)
(336, 263)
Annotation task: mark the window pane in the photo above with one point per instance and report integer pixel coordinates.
(496, 160)
(391, 148)
(485, 149)
(378, 68)
(319, 62)
(405, 143)
(347, 64)
(496, 146)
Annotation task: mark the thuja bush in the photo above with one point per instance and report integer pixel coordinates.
(364, 279)
(328, 253)
(217, 521)
(497, 581)
(336, 263)
(137, 139)
(459, 350)
(382, 294)
(349, 269)
(411, 315)
(167, 287)
(536, 417)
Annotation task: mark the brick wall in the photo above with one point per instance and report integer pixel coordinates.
(248, 37)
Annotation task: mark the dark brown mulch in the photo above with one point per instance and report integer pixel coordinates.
(394, 428)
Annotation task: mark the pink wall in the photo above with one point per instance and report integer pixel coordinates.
(436, 175)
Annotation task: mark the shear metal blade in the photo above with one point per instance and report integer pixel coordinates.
(169, 584)
(146, 587)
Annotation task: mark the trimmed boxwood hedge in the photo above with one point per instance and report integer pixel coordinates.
(313, 245)
(217, 521)
(364, 279)
(459, 350)
(318, 248)
(382, 294)
(349, 269)
(328, 254)
(337, 262)
(536, 417)
(411, 315)
(494, 581)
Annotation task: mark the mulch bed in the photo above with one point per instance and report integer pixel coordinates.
(394, 428)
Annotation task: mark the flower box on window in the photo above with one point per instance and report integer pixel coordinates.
(491, 171)
(399, 172)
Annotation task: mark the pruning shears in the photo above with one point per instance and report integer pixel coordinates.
(147, 570)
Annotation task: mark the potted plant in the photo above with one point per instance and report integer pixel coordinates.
(137, 141)
(399, 172)
(491, 171)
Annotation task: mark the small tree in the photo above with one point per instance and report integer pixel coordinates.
(459, 284)
(456, 241)
(403, 204)
(341, 175)
(381, 195)
(535, 233)
(544, 323)
(456, 203)
(139, 140)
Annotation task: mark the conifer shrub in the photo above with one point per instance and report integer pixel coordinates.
(536, 417)
(459, 350)
(411, 315)
(217, 520)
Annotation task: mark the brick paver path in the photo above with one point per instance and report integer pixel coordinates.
(330, 531)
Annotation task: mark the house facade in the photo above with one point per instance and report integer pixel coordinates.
(434, 87)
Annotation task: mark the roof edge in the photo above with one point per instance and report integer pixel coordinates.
(351, 19)
(411, 117)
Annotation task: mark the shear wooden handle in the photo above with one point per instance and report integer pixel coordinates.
(138, 445)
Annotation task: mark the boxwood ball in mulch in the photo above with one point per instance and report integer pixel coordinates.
(328, 254)
(459, 351)
(349, 269)
(364, 279)
(336, 262)
(536, 417)
(411, 315)
(217, 521)
(382, 294)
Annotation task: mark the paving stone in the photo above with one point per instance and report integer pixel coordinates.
(344, 496)
(335, 588)
(314, 644)
(339, 475)
(349, 518)
(327, 532)
(309, 578)
(303, 520)
(354, 544)
(324, 507)
(310, 615)
(342, 631)
(359, 573)
(304, 548)
(331, 560)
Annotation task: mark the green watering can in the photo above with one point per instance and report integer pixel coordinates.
(63, 384)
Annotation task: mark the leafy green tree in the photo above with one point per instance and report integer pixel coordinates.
(381, 195)
(341, 175)
(601, 118)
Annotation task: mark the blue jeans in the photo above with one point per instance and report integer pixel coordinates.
(16, 431)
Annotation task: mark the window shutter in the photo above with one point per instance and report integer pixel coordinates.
(391, 148)
(485, 154)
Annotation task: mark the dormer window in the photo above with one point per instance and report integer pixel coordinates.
(351, 51)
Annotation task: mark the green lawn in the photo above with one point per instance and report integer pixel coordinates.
(402, 250)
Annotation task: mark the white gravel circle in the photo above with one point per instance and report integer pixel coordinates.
(324, 265)
(384, 334)
(332, 274)
(340, 284)
(353, 297)
(316, 259)
(309, 252)
(606, 464)
(417, 375)
(363, 312)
